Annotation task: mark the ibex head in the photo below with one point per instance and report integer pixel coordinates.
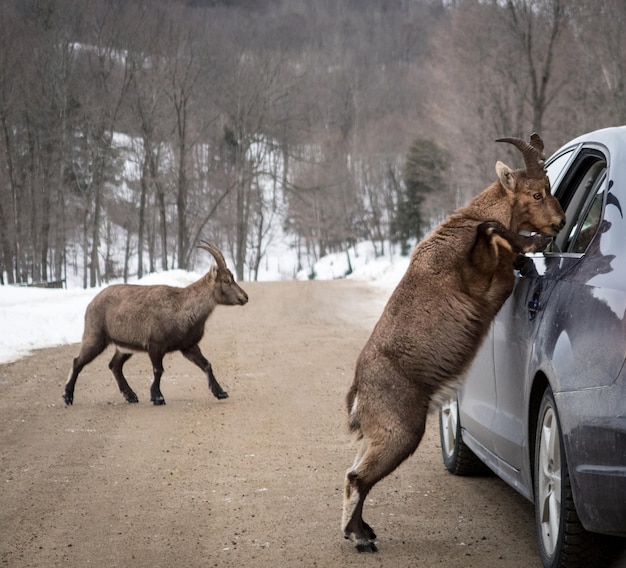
(534, 208)
(227, 291)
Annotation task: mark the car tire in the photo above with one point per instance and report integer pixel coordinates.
(458, 458)
(563, 542)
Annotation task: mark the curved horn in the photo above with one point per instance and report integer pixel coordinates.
(532, 153)
(217, 255)
(537, 143)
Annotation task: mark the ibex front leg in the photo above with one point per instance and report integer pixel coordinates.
(499, 235)
(493, 256)
(195, 356)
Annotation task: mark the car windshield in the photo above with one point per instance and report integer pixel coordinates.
(556, 166)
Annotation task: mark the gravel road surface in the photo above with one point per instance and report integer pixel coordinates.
(252, 481)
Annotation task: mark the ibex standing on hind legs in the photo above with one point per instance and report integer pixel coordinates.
(435, 320)
(157, 320)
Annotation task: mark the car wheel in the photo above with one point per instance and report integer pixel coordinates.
(457, 457)
(563, 542)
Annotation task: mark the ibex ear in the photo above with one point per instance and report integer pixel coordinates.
(506, 176)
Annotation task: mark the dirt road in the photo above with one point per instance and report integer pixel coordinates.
(252, 481)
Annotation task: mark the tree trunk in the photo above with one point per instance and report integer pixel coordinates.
(181, 209)
(142, 211)
(163, 223)
(85, 247)
(94, 264)
(5, 246)
(13, 265)
(127, 252)
(241, 222)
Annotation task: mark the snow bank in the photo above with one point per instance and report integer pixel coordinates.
(34, 318)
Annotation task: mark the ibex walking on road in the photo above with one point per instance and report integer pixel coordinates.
(157, 320)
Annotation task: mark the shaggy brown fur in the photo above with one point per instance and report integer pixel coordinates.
(435, 320)
(157, 320)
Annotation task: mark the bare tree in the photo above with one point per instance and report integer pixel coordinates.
(184, 75)
(150, 119)
(537, 26)
(252, 84)
(109, 71)
(9, 84)
(598, 31)
(510, 90)
(244, 115)
(36, 122)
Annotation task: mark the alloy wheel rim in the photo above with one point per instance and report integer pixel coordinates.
(449, 420)
(549, 481)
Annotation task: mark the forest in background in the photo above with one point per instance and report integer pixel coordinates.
(130, 129)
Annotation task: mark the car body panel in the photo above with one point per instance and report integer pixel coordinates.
(564, 326)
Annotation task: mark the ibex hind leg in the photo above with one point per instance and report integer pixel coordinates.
(353, 503)
(89, 350)
(353, 526)
(116, 364)
(375, 460)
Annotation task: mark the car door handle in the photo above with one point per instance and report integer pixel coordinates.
(534, 306)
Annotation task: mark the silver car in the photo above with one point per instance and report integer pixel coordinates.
(544, 403)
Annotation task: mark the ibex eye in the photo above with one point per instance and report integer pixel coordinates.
(538, 196)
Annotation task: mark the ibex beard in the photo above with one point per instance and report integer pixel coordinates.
(435, 320)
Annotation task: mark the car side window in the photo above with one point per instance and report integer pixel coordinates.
(590, 220)
(581, 194)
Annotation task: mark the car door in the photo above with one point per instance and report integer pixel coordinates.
(477, 399)
(580, 189)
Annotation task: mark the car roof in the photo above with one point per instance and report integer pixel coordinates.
(614, 138)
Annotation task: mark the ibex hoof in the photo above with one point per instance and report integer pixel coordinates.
(491, 227)
(158, 401)
(369, 547)
(69, 400)
(221, 395)
(132, 398)
(539, 243)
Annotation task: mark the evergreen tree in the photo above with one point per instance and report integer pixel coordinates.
(424, 172)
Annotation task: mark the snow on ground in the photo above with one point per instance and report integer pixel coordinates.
(34, 318)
